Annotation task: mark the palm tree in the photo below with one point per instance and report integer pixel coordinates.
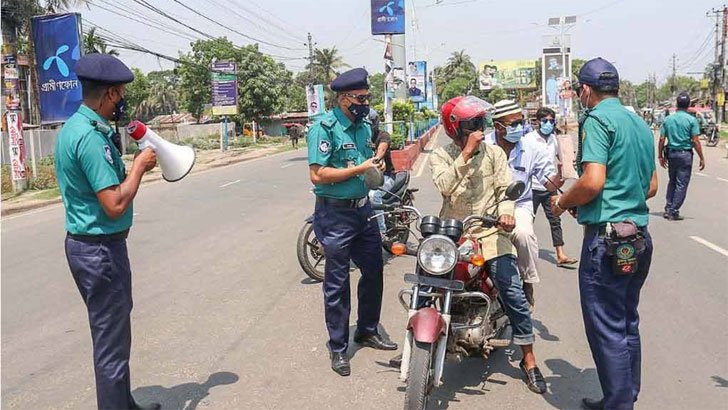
(327, 62)
(95, 44)
(460, 62)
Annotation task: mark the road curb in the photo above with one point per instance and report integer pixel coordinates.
(15, 210)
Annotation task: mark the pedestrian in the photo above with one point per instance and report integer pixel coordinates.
(545, 135)
(682, 132)
(616, 165)
(381, 141)
(294, 133)
(527, 159)
(472, 177)
(97, 194)
(339, 153)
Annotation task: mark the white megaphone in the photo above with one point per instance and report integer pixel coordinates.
(175, 160)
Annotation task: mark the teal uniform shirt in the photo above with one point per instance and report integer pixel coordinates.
(87, 162)
(679, 129)
(624, 143)
(334, 141)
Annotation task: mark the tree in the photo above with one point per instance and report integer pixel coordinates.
(136, 92)
(682, 83)
(326, 64)
(95, 44)
(376, 88)
(576, 65)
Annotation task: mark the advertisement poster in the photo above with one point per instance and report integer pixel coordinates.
(57, 40)
(397, 78)
(554, 69)
(416, 81)
(507, 74)
(17, 146)
(224, 88)
(11, 87)
(387, 17)
(315, 100)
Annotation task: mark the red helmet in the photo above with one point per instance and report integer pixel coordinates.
(457, 112)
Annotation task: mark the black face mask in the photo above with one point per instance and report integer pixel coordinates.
(119, 110)
(359, 111)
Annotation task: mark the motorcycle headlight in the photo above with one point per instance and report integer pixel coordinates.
(437, 255)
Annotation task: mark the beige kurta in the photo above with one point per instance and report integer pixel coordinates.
(473, 188)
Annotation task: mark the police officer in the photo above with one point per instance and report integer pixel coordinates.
(339, 153)
(683, 135)
(97, 195)
(616, 177)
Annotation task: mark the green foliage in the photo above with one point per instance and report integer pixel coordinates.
(94, 44)
(576, 65)
(402, 110)
(398, 139)
(496, 94)
(461, 85)
(682, 83)
(376, 88)
(326, 65)
(136, 92)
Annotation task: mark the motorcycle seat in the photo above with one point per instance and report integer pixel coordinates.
(401, 181)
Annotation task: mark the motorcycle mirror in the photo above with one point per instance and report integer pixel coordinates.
(373, 178)
(515, 190)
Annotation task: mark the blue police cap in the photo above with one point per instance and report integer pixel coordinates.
(600, 74)
(103, 68)
(355, 79)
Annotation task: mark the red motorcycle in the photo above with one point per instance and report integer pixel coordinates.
(454, 307)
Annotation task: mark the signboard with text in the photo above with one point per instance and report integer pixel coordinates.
(507, 74)
(224, 88)
(387, 17)
(417, 81)
(57, 44)
(315, 100)
(17, 145)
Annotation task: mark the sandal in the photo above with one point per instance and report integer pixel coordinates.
(568, 263)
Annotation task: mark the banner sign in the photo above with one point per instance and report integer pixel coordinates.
(17, 145)
(57, 43)
(11, 87)
(224, 88)
(507, 74)
(555, 73)
(416, 81)
(315, 100)
(387, 17)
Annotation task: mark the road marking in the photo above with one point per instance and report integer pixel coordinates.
(423, 158)
(229, 183)
(286, 165)
(700, 174)
(710, 245)
(723, 179)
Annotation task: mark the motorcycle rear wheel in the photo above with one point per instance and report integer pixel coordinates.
(419, 377)
(310, 253)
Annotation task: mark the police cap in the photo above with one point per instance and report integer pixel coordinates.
(103, 68)
(683, 100)
(600, 74)
(355, 79)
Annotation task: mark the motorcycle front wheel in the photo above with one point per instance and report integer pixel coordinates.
(419, 377)
(310, 253)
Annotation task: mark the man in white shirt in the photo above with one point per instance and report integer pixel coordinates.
(545, 136)
(527, 160)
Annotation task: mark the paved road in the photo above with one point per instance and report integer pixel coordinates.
(224, 317)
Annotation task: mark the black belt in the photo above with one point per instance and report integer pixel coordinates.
(678, 149)
(99, 238)
(342, 203)
(601, 230)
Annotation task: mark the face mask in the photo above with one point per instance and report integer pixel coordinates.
(547, 128)
(119, 109)
(514, 134)
(360, 111)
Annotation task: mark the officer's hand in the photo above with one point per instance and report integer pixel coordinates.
(663, 162)
(380, 164)
(507, 222)
(146, 159)
(702, 164)
(364, 166)
(473, 142)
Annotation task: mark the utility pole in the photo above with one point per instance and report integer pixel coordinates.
(717, 69)
(673, 85)
(310, 56)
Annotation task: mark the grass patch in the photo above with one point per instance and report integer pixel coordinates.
(48, 194)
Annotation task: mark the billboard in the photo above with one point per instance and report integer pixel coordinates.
(417, 81)
(315, 100)
(507, 74)
(57, 43)
(17, 145)
(387, 17)
(556, 73)
(224, 88)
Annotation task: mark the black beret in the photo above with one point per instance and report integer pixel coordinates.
(355, 79)
(103, 68)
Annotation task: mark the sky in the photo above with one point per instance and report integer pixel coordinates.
(638, 36)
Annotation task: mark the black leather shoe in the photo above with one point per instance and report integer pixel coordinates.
(534, 379)
(340, 364)
(592, 404)
(666, 215)
(375, 341)
(150, 406)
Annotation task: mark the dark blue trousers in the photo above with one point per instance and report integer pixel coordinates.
(679, 167)
(609, 306)
(347, 235)
(103, 277)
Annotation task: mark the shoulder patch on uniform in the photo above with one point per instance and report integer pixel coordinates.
(349, 145)
(324, 146)
(107, 154)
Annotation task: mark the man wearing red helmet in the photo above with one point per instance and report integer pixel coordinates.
(472, 177)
